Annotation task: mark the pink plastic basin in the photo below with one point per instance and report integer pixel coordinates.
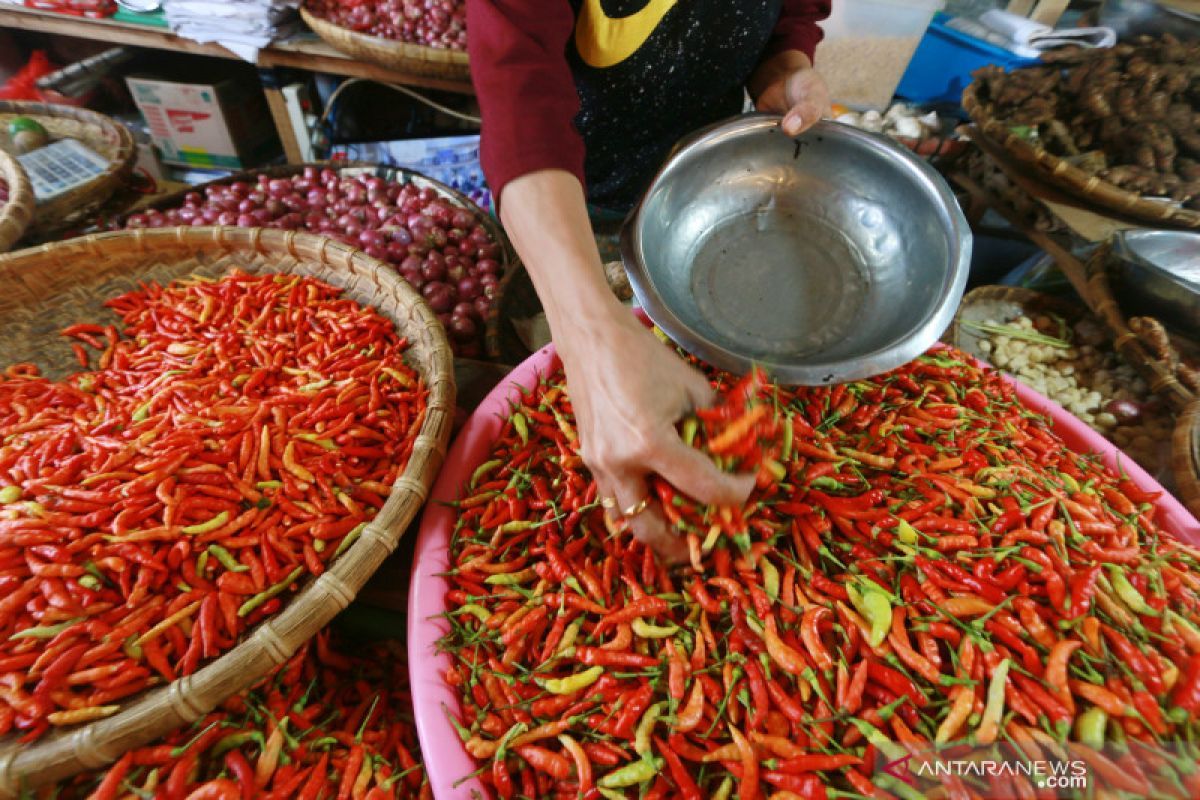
(446, 761)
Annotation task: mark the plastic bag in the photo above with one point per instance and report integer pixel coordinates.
(80, 8)
(22, 85)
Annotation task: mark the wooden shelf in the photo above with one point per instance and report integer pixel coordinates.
(305, 52)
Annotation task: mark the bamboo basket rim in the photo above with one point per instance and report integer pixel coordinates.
(58, 212)
(1069, 177)
(379, 170)
(152, 714)
(419, 59)
(17, 212)
(1029, 300)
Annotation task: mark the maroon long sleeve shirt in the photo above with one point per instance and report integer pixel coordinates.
(604, 88)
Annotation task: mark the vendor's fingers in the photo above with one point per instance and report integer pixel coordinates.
(699, 391)
(638, 509)
(693, 474)
(650, 527)
(807, 98)
(801, 117)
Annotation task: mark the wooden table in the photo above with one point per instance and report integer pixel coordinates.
(306, 53)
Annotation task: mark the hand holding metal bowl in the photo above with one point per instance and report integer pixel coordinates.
(825, 258)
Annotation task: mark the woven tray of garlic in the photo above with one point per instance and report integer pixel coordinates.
(1067, 358)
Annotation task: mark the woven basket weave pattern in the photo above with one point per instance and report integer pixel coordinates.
(54, 285)
(17, 213)
(106, 136)
(1069, 177)
(413, 59)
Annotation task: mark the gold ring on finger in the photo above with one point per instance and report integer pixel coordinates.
(637, 508)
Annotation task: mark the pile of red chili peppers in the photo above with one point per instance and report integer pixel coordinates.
(235, 439)
(331, 722)
(923, 563)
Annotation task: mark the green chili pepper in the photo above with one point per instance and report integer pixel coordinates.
(209, 526)
(350, 539)
(510, 578)
(483, 469)
(10, 494)
(632, 774)
(132, 648)
(1090, 726)
(770, 578)
(876, 608)
(90, 582)
(262, 485)
(568, 639)
(202, 561)
(724, 790)
(474, 609)
(236, 740)
(572, 683)
(785, 450)
(825, 482)
(46, 631)
(1128, 593)
(907, 533)
(691, 426)
(641, 738)
(521, 426)
(648, 631)
(142, 411)
(271, 591)
(312, 438)
(227, 559)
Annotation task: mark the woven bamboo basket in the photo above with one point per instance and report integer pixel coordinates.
(411, 59)
(102, 134)
(51, 286)
(1002, 303)
(1185, 457)
(16, 214)
(1070, 178)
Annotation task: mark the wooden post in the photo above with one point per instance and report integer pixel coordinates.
(1049, 12)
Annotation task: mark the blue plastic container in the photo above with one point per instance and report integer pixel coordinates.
(942, 65)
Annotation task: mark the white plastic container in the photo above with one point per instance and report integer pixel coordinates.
(867, 47)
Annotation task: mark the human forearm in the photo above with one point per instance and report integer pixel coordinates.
(545, 215)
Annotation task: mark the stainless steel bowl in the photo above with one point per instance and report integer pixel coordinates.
(1158, 273)
(827, 258)
(1131, 18)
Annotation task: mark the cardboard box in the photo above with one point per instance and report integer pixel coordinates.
(222, 124)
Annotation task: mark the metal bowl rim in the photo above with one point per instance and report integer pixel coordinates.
(863, 365)
(1127, 256)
